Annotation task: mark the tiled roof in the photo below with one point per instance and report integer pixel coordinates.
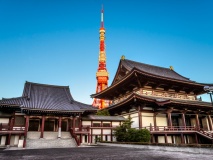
(47, 97)
(155, 70)
(105, 118)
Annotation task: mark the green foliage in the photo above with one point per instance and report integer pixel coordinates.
(124, 133)
(103, 112)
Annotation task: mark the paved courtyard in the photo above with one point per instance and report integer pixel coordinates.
(98, 153)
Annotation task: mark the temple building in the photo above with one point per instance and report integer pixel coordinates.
(48, 116)
(162, 101)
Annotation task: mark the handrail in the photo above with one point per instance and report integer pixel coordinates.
(206, 133)
(7, 127)
(171, 128)
(74, 136)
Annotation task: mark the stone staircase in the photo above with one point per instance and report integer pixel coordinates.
(50, 140)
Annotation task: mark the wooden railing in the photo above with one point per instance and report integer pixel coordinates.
(74, 136)
(104, 126)
(171, 128)
(7, 127)
(208, 134)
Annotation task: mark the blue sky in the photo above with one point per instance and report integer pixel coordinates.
(57, 41)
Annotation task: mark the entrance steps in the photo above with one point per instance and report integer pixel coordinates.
(50, 143)
(50, 140)
(207, 134)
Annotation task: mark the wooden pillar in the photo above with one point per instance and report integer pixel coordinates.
(139, 117)
(91, 131)
(169, 119)
(210, 122)
(73, 124)
(26, 129)
(152, 138)
(42, 126)
(166, 138)
(183, 120)
(101, 130)
(89, 138)
(197, 122)
(155, 122)
(59, 127)
(12, 120)
(80, 138)
(156, 138)
(8, 139)
(172, 139)
(196, 139)
(111, 132)
(182, 139)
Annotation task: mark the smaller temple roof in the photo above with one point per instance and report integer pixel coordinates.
(104, 118)
(47, 97)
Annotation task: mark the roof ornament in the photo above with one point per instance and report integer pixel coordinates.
(171, 68)
(122, 57)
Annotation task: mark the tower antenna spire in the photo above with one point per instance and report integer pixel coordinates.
(102, 16)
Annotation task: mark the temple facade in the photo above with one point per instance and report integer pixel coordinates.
(48, 114)
(162, 101)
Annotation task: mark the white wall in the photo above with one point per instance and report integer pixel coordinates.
(106, 131)
(96, 131)
(169, 138)
(3, 140)
(115, 123)
(161, 139)
(4, 120)
(161, 120)
(86, 123)
(147, 118)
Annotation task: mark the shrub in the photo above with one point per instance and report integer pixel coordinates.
(124, 133)
(103, 112)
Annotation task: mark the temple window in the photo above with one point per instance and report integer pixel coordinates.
(96, 124)
(19, 121)
(106, 124)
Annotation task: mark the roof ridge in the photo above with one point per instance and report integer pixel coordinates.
(158, 67)
(13, 98)
(48, 85)
(148, 64)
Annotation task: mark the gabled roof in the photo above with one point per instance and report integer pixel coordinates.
(131, 74)
(151, 69)
(47, 97)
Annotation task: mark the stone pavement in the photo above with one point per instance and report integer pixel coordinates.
(98, 153)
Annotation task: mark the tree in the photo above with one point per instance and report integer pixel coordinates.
(124, 133)
(121, 132)
(103, 112)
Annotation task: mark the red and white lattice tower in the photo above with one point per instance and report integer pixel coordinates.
(102, 75)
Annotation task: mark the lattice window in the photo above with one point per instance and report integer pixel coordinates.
(19, 121)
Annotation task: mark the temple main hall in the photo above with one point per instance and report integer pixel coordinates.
(162, 101)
